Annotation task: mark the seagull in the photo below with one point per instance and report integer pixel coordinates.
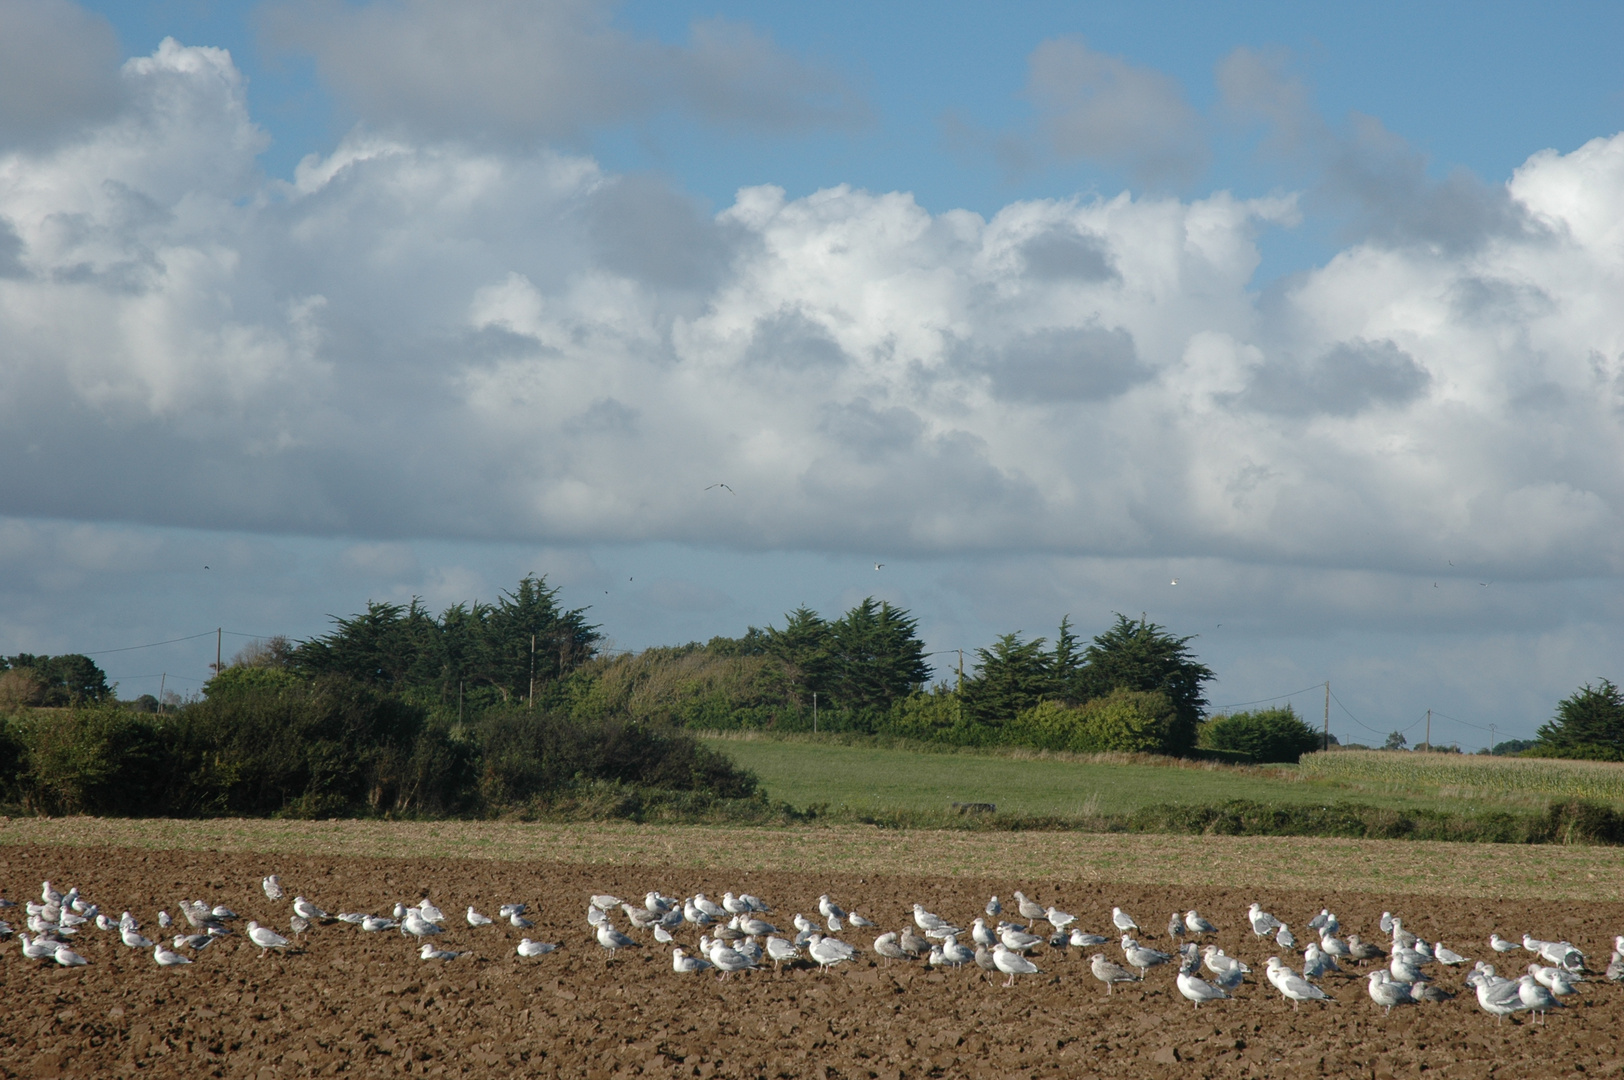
(476, 919)
(417, 926)
(723, 486)
(662, 935)
(164, 921)
(1012, 964)
(220, 912)
(1082, 939)
(612, 939)
(1122, 920)
(605, 902)
(779, 950)
(167, 958)
(994, 908)
(683, 964)
(519, 921)
(727, 960)
(1263, 924)
(195, 942)
(885, 945)
(1195, 924)
(1030, 910)
(534, 948)
(859, 922)
(878, 565)
(829, 951)
(1109, 973)
(1017, 940)
(266, 938)
(306, 909)
(1536, 998)
(1284, 938)
(1292, 986)
(134, 939)
(1425, 991)
(1175, 581)
(1059, 919)
(1142, 957)
(373, 923)
(1501, 945)
(1384, 991)
(431, 951)
(1363, 950)
(428, 910)
(354, 918)
(508, 909)
(41, 948)
(1500, 997)
(1197, 989)
(1447, 956)
(66, 957)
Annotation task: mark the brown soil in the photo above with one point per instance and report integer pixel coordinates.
(365, 1004)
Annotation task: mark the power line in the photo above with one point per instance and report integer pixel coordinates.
(149, 645)
(1278, 697)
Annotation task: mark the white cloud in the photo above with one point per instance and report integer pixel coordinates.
(419, 339)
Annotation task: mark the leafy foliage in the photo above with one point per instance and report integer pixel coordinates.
(506, 651)
(1123, 721)
(1266, 735)
(1144, 656)
(1589, 723)
(51, 681)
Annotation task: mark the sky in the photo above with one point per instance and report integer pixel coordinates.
(1293, 328)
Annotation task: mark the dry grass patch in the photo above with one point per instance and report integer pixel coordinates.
(1244, 862)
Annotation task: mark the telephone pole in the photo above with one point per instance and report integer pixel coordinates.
(1429, 730)
(532, 671)
(217, 632)
(814, 712)
(1327, 714)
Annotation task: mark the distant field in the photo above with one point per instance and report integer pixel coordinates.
(865, 779)
(1385, 867)
(1469, 777)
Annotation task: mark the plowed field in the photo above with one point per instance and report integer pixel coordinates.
(365, 1004)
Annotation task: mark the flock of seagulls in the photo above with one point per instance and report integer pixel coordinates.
(58, 918)
(737, 934)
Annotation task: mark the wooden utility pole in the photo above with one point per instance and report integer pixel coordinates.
(814, 712)
(532, 671)
(161, 680)
(1429, 730)
(1327, 714)
(217, 632)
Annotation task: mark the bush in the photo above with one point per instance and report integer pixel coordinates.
(527, 753)
(1123, 721)
(1267, 735)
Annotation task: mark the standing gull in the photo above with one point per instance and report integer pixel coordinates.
(1012, 964)
(1108, 973)
(266, 938)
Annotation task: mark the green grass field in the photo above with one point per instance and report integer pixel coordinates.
(858, 779)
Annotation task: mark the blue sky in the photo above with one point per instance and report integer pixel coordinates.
(1043, 306)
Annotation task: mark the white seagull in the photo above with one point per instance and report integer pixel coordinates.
(534, 948)
(1012, 963)
(266, 938)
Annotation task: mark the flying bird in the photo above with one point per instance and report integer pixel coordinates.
(878, 565)
(1175, 581)
(724, 487)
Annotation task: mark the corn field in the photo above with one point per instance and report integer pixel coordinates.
(1469, 776)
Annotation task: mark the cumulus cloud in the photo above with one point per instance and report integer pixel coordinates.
(515, 69)
(420, 337)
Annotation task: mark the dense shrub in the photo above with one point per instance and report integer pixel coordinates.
(528, 753)
(1123, 721)
(1267, 735)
